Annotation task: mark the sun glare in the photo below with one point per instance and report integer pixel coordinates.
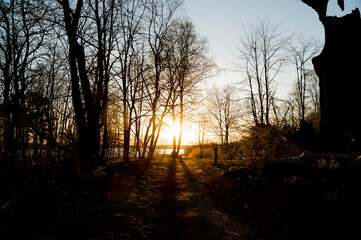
(175, 131)
(168, 131)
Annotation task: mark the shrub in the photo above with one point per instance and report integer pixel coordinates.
(188, 149)
(194, 152)
(264, 143)
(230, 154)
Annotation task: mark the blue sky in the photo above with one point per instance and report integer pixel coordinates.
(220, 21)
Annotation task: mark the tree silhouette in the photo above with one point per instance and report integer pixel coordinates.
(339, 71)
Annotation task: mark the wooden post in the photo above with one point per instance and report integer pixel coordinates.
(215, 155)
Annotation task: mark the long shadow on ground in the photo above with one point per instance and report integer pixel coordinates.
(168, 221)
(185, 211)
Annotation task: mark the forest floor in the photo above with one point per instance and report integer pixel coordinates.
(180, 199)
(162, 199)
(173, 199)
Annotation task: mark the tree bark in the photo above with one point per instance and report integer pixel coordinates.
(86, 116)
(339, 70)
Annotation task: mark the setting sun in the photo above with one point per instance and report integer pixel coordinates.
(188, 133)
(175, 131)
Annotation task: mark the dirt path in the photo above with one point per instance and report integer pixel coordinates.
(173, 201)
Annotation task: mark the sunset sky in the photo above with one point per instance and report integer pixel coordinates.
(220, 21)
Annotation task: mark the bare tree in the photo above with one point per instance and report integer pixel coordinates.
(161, 15)
(203, 123)
(260, 59)
(225, 110)
(131, 62)
(22, 33)
(187, 66)
(302, 50)
(46, 100)
(314, 93)
(88, 91)
(104, 14)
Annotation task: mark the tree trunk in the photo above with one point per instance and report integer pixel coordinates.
(126, 127)
(226, 135)
(87, 116)
(174, 152)
(339, 70)
(180, 123)
(9, 130)
(152, 137)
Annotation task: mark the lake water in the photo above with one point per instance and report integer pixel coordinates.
(158, 151)
(168, 151)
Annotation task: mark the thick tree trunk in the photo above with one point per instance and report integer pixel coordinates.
(86, 115)
(126, 148)
(339, 70)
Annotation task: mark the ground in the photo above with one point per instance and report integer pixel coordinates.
(178, 198)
